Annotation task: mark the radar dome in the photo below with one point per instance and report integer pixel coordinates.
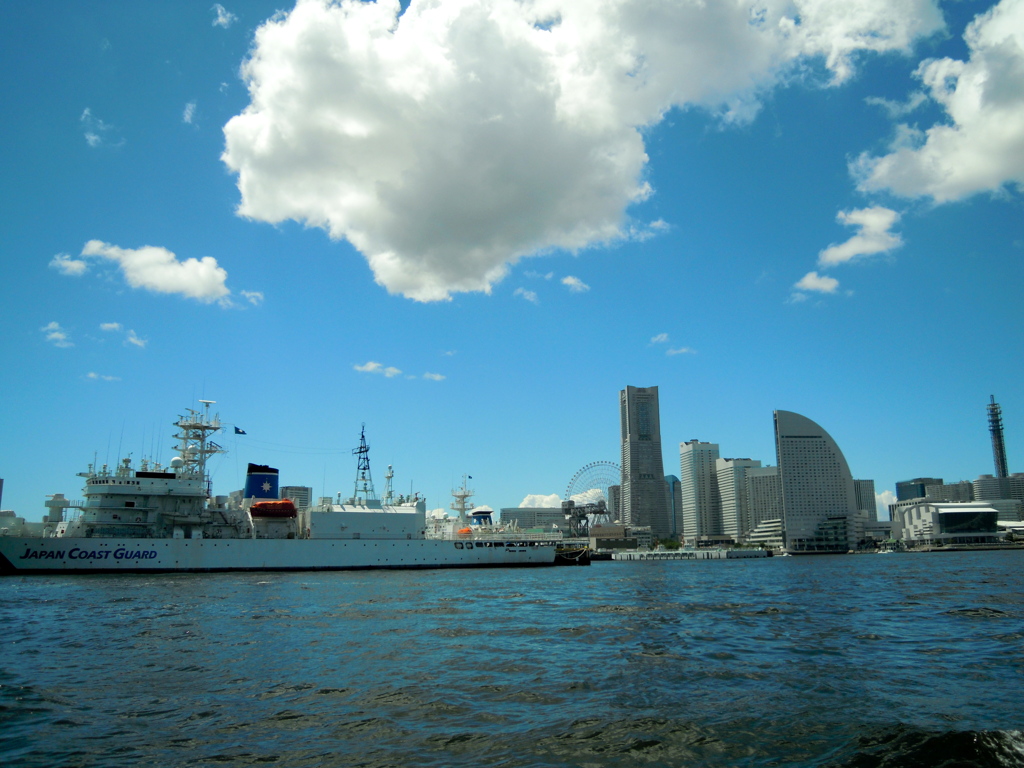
(177, 462)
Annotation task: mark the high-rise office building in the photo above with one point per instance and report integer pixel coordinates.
(615, 502)
(764, 495)
(732, 489)
(644, 494)
(675, 505)
(915, 489)
(301, 495)
(702, 504)
(864, 497)
(817, 487)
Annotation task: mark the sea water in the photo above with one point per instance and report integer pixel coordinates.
(867, 660)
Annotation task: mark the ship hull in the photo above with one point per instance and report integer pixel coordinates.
(20, 555)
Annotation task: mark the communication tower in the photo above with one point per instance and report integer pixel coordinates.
(995, 426)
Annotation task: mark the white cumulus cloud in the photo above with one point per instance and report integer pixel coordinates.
(449, 140)
(189, 113)
(661, 338)
(882, 502)
(56, 335)
(812, 281)
(253, 297)
(530, 296)
(158, 269)
(434, 376)
(551, 500)
(980, 146)
(574, 284)
(101, 377)
(222, 17)
(133, 339)
(66, 265)
(681, 351)
(375, 367)
(873, 235)
(110, 326)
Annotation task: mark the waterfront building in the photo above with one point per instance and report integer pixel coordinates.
(962, 491)
(675, 505)
(767, 534)
(817, 487)
(764, 495)
(864, 498)
(701, 502)
(731, 475)
(644, 499)
(301, 495)
(914, 489)
(987, 487)
(621, 537)
(548, 518)
(928, 523)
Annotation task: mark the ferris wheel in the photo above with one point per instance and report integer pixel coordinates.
(590, 486)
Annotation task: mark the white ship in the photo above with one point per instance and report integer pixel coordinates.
(163, 519)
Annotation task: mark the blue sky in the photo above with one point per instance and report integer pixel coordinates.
(469, 227)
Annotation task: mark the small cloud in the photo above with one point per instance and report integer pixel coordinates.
(253, 297)
(641, 232)
(133, 339)
(551, 500)
(96, 130)
(223, 17)
(189, 113)
(812, 281)
(66, 265)
(661, 338)
(110, 326)
(874, 236)
(530, 296)
(434, 376)
(375, 367)
(449, 353)
(56, 335)
(575, 285)
(897, 109)
(681, 351)
(796, 297)
(101, 377)
(158, 269)
(541, 275)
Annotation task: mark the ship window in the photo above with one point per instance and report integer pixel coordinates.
(129, 503)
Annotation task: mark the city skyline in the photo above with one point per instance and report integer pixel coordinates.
(469, 228)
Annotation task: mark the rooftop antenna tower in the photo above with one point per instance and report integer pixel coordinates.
(364, 481)
(995, 426)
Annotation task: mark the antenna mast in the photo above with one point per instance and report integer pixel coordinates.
(995, 426)
(364, 482)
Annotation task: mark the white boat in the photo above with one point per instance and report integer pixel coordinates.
(163, 519)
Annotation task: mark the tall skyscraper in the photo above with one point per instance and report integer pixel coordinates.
(764, 495)
(675, 505)
(864, 496)
(817, 487)
(732, 488)
(702, 504)
(915, 489)
(644, 498)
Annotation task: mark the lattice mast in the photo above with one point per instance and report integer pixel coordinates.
(364, 481)
(194, 443)
(995, 426)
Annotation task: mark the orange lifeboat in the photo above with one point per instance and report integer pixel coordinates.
(282, 508)
(465, 530)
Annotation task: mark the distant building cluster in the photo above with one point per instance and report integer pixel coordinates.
(808, 502)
